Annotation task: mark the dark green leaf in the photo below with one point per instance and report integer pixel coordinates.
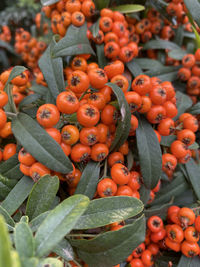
(5, 246)
(24, 241)
(89, 180)
(177, 186)
(8, 47)
(130, 160)
(29, 100)
(150, 154)
(9, 220)
(8, 164)
(5, 186)
(193, 171)
(160, 44)
(147, 63)
(123, 127)
(177, 54)
(39, 89)
(144, 194)
(17, 195)
(183, 103)
(128, 8)
(75, 42)
(107, 210)
(52, 69)
(40, 144)
(194, 110)
(179, 35)
(186, 199)
(134, 68)
(160, 6)
(112, 247)
(101, 3)
(193, 7)
(102, 60)
(48, 2)
(42, 196)
(189, 262)
(36, 222)
(64, 250)
(158, 71)
(59, 222)
(167, 140)
(158, 210)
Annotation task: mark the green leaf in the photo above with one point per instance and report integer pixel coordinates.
(123, 127)
(144, 194)
(5, 186)
(36, 222)
(52, 69)
(50, 262)
(29, 100)
(48, 2)
(195, 145)
(24, 241)
(193, 171)
(183, 102)
(112, 247)
(158, 210)
(8, 47)
(42, 196)
(29, 262)
(64, 250)
(167, 140)
(15, 259)
(5, 246)
(107, 210)
(17, 195)
(59, 222)
(179, 35)
(16, 71)
(158, 71)
(160, 6)
(134, 68)
(177, 54)
(177, 186)
(75, 42)
(40, 144)
(39, 89)
(194, 110)
(100, 4)
(189, 262)
(160, 44)
(197, 36)
(95, 28)
(10, 106)
(150, 155)
(193, 7)
(102, 60)
(128, 8)
(9, 220)
(147, 63)
(89, 180)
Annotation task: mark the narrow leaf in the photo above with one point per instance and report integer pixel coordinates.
(9, 220)
(107, 210)
(24, 241)
(75, 42)
(128, 8)
(194, 110)
(183, 103)
(16, 71)
(112, 247)
(39, 144)
(160, 44)
(150, 154)
(48, 2)
(36, 222)
(193, 171)
(123, 127)
(5, 246)
(17, 195)
(52, 69)
(177, 54)
(59, 222)
(134, 68)
(102, 60)
(193, 7)
(147, 63)
(189, 262)
(64, 250)
(42, 196)
(89, 180)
